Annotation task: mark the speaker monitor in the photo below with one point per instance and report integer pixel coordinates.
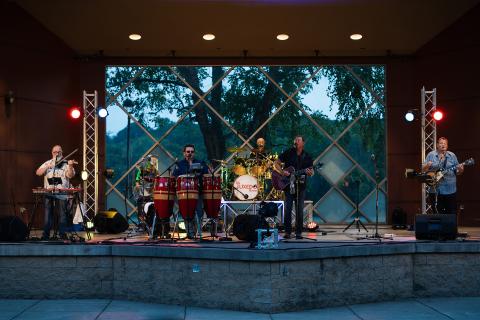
(110, 222)
(436, 226)
(399, 218)
(12, 229)
(244, 226)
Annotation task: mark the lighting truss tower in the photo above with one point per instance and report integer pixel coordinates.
(90, 153)
(429, 133)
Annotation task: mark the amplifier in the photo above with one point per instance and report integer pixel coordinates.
(436, 226)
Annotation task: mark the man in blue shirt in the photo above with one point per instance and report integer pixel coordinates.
(446, 189)
(185, 167)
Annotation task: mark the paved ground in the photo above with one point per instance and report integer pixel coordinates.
(417, 309)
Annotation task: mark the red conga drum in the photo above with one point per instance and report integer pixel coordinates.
(164, 196)
(212, 194)
(187, 195)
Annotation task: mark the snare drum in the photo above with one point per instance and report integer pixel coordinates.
(212, 194)
(187, 195)
(164, 196)
(245, 187)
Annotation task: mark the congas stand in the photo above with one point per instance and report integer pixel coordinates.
(212, 198)
(187, 195)
(163, 202)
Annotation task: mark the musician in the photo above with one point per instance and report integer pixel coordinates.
(145, 175)
(63, 171)
(299, 159)
(184, 166)
(259, 152)
(446, 189)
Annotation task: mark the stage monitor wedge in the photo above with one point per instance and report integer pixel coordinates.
(110, 222)
(436, 226)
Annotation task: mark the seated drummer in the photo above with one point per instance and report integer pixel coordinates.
(55, 170)
(184, 167)
(145, 175)
(259, 153)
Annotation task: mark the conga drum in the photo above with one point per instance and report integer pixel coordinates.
(187, 195)
(164, 196)
(212, 194)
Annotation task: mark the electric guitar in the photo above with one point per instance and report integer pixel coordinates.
(280, 182)
(434, 177)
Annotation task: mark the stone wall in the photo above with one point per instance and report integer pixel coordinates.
(263, 286)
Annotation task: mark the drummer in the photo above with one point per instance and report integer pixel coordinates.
(259, 153)
(185, 167)
(144, 181)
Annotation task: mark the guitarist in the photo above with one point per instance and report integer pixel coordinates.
(297, 159)
(447, 187)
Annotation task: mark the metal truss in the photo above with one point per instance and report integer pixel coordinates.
(429, 133)
(90, 153)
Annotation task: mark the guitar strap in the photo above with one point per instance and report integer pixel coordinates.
(445, 161)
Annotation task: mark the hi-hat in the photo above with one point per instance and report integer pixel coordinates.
(222, 162)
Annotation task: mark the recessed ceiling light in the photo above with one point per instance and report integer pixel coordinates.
(283, 36)
(356, 36)
(208, 36)
(135, 36)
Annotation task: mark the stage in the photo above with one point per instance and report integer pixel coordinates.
(335, 270)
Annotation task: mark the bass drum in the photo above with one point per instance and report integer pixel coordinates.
(245, 187)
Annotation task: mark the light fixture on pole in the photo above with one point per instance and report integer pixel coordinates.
(102, 112)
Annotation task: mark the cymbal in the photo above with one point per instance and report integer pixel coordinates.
(235, 149)
(222, 162)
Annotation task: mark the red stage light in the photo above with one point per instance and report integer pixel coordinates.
(75, 113)
(438, 115)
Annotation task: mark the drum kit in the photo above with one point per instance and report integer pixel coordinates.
(247, 178)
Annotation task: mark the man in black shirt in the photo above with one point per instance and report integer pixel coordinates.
(297, 159)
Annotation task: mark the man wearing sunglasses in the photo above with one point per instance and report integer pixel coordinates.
(190, 165)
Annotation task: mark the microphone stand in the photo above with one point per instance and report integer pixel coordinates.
(377, 174)
(297, 211)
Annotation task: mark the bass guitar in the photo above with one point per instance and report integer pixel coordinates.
(280, 182)
(434, 177)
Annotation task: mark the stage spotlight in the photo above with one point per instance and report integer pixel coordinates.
(409, 116)
(75, 112)
(109, 173)
(84, 175)
(438, 115)
(102, 112)
(312, 226)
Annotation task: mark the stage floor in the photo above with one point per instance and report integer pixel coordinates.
(326, 236)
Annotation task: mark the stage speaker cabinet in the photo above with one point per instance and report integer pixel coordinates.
(245, 226)
(399, 218)
(436, 226)
(12, 229)
(110, 222)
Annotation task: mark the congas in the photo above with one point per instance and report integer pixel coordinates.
(245, 187)
(164, 196)
(187, 195)
(212, 194)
